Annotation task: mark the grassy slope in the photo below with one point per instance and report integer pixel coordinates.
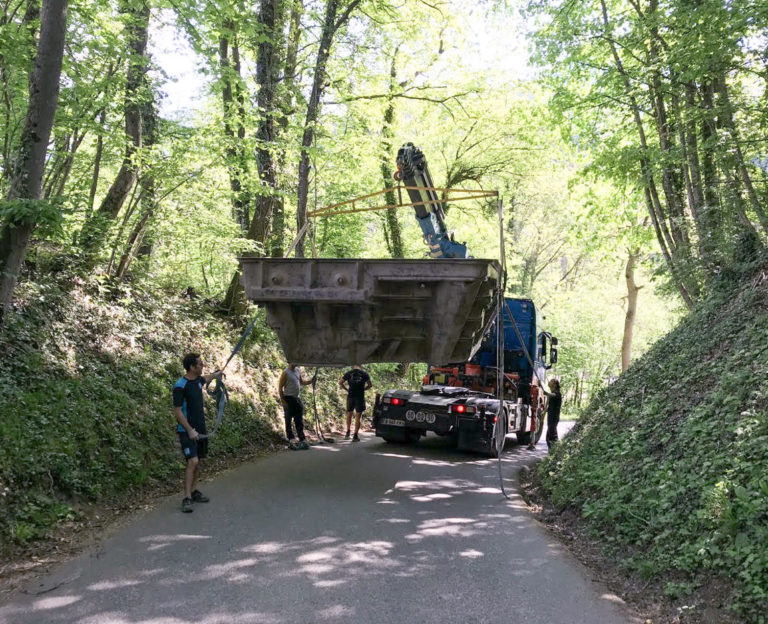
(85, 386)
(670, 463)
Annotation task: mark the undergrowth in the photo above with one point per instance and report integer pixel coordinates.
(86, 389)
(669, 465)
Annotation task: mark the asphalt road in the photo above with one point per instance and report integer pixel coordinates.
(366, 533)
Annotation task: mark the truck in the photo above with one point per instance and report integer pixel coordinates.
(462, 401)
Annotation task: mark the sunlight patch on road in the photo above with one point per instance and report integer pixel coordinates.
(471, 554)
(335, 611)
(325, 447)
(437, 462)
(335, 583)
(158, 542)
(430, 497)
(54, 602)
(221, 569)
(106, 585)
(447, 527)
(485, 490)
(612, 598)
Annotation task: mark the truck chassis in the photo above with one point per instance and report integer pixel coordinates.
(473, 420)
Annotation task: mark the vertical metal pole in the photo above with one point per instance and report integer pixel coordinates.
(500, 318)
(500, 347)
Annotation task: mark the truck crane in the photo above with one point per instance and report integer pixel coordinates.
(459, 400)
(412, 170)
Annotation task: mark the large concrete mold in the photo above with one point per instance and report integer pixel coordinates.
(342, 312)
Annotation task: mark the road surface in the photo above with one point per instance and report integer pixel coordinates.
(353, 532)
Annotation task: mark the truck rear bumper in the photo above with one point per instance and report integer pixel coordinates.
(471, 433)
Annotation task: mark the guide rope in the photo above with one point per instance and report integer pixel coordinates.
(318, 429)
(219, 392)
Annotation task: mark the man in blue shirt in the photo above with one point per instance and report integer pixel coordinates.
(189, 409)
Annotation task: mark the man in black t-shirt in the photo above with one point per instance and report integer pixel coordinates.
(189, 409)
(355, 382)
(554, 403)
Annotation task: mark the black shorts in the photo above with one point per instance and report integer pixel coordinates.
(355, 404)
(192, 448)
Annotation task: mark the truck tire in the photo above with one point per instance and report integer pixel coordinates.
(412, 435)
(501, 429)
(402, 437)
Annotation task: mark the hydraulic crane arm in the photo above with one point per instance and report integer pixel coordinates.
(413, 172)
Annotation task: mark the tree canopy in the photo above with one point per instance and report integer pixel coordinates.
(633, 138)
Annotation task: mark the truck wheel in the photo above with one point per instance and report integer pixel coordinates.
(403, 437)
(412, 435)
(499, 430)
(523, 437)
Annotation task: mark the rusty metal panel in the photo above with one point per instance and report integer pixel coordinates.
(342, 312)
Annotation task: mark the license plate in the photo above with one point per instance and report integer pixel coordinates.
(391, 422)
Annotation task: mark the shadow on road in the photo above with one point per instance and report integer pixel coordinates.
(371, 532)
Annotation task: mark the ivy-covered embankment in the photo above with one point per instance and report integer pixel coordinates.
(85, 389)
(669, 465)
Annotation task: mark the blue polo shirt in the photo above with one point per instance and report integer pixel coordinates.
(188, 395)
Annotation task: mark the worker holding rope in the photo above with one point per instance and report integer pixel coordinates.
(289, 388)
(554, 402)
(189, 408)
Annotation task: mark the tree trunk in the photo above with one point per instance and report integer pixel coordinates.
(286, 108)
(330, 27)
(10, 123)
(394, 238)
(59, 177)
(681, 276)
(27, 175)
(96, 164)
(705, 214)
(95, 229)
(267, 75)
(139, 229)
(740, 165)
(629, 318)
(232, 100)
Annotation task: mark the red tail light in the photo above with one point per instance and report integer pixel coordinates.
(396, 401)
(460, 408)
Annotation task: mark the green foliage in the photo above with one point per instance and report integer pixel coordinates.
(664, 95)
(668, 464)
(46, 215)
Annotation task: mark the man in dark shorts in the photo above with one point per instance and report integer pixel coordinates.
(289, 388)
(189, 409)
(554, 403)
(355, 382)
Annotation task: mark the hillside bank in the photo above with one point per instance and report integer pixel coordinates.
(667, 468)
